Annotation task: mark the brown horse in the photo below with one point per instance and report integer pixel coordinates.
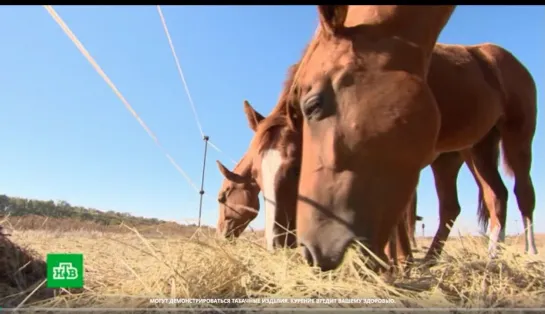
(275, 172)
(361, 93)
(499, 92)
(238, 201)
(238, 196)
(503, 112)
(445, 168)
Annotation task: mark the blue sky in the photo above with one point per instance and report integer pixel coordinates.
(66, 136)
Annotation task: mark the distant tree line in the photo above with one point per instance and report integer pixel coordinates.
(16, 206)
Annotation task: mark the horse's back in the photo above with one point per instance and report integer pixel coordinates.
(461, 67)
(468, 92)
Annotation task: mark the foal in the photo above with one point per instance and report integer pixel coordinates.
(484, 89)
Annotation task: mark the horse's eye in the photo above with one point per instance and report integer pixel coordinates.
(312, 106)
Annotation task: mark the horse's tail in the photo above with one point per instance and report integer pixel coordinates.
(483, 216)
(521, 103)
(483, 212)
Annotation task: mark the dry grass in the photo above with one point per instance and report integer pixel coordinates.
(34, 222)
(127, 269)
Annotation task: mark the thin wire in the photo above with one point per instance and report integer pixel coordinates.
(219, 150)
(91, 60)
(181, 73)
(179, 69)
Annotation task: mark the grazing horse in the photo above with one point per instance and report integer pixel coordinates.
(274, 171)
(360, 97)
(238, 202)
(471, 90)
(493, 82)
(238, 196)
(472, 121)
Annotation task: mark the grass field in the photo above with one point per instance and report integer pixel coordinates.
(127, 268)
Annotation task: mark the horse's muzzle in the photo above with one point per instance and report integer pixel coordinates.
(326, 256)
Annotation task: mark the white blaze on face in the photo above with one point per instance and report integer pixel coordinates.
(529, 236)
(270, 164)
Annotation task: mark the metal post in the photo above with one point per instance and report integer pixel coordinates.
(201, 192)
(423, 226)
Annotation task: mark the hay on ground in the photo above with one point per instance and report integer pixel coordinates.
(129, 270)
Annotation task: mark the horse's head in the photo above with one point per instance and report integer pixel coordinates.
(238, 202)
(238, 196)
(369, 124)
(276, 168)
(272, 163)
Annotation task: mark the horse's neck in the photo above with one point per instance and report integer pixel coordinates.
(420, 25)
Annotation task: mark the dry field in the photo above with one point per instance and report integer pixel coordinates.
(127, 269)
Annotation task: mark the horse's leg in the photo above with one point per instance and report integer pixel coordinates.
(405, 255)
(483, 162)
(445, 172)
(411, 222)
(398, 248)
(517, 130)
(391, 248)
(517, 151)
(286, 204)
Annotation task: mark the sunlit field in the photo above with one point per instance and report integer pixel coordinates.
(127, 268)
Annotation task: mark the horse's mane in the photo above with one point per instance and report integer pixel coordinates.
(269, 131)
(273, 129)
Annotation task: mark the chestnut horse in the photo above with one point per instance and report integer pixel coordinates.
(274, 171)
(497, 68)
(506, 111)
(239, 201)
(359, 96)
(445, 168)
(238, 196)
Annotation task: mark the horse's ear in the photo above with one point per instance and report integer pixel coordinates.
(228, 174)
(252, 115)
(332, 17)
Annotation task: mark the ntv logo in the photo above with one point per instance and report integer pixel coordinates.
(65, 271)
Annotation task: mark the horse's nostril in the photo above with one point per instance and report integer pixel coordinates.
(307, 254)
(316, 258)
